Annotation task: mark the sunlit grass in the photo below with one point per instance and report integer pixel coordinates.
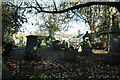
(42, 44)
(99, 51)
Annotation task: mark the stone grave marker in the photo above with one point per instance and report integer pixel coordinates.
(31, 47)
(86, 47)
(57, 45)
(114, 50)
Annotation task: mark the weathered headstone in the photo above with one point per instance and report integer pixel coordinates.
(38, 43)
(31, 47)
(86, 47)
(57, 45)
(114, 50)
(8, 49)
(63, 44)
(76, 42)
(66, 44)
(8, 46)
(21, 41)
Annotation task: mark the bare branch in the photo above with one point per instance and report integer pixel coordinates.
(80, 16)
(55, 5)
(40, 9)
(38, 5)
(113, 4)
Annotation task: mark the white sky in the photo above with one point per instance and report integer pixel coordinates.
(73, 30)
(78, 26)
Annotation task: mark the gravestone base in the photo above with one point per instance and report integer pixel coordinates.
(113, 58)
(70, 55)
(30, 54)
(86, 51)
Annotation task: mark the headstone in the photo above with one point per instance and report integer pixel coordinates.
(8, 46)
(75, 43)
(86, 47)
(7, 49)
(66, 44)
(80, 49)
(38, 43)
(114, 50)
(21, 41)
(31, 47)
(57, 45)
(63, 44)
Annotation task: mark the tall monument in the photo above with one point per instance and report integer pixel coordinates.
(114, 49)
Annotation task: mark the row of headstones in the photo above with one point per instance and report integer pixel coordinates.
(114, 52)
(70, 52)
(113, 55)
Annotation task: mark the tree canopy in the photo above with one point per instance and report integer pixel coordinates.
(91, 12)
(53, 23)
(12, 19)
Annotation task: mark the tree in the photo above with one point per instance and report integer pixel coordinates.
(91, 15)
(87, 8)
(99, 19)
(113, 4)
(54, 22)
(12, 19)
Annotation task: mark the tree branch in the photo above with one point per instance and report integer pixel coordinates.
(112, 4)
(55, 5)
(38, 5)
(40, 9)
(80, 16)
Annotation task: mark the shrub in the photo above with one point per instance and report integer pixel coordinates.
(7, 49)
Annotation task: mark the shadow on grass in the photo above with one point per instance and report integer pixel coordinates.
(51, 67)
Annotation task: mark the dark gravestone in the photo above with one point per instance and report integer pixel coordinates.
(114, 50)
(8, 45)
(7, 49)
(57, 45)
(66, 44)
(63, 44)
(38, 43)
(86, 47)
(31, 47)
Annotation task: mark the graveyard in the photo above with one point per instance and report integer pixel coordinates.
(48, 54)
(56, 63)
